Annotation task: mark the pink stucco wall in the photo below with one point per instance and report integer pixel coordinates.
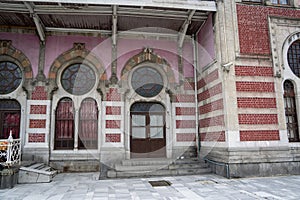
(166, 49)
(188, 57)
(206, 50)
(56, 45)
(28, 44)
(101, 47)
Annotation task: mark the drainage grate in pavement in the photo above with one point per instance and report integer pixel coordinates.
(160, 183)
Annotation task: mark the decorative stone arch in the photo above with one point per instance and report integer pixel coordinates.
(147, 55)
(78, 52)
(9, 53)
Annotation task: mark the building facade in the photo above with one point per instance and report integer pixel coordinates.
(90, 83)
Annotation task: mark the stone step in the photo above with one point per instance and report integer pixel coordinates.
(36, 173)
(139, 167)
(164, 172)
(36, 166)
(188, 166)
(158, 167)
(147, 161)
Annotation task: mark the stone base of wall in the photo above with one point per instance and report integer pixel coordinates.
(9, 177)
(186, 152)
(76, 165)
(252, 162)
(256, 169)
(111, 156)
(36, 155)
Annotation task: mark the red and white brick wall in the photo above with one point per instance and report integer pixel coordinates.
(256, 101)
(253, 27)
(259, 93)
(112, 119)
(184, 120)
(38, 121)
(211, 107)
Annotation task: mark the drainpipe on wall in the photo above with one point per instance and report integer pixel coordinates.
(195, 52)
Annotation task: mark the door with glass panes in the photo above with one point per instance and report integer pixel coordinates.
(148, 131)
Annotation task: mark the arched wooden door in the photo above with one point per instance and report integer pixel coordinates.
(148, 130)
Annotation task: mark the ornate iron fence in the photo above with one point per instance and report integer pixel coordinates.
(10, 151)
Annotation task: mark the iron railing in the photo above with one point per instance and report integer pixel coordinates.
(10, 151)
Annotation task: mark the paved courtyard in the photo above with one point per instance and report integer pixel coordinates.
(85, 186)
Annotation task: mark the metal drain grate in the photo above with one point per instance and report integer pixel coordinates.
(160, 183)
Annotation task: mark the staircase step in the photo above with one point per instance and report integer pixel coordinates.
(36, 173)
(147, 161)
(146, 167)
(140, 167)
(127, 174)
(36, 165)
(188, 166)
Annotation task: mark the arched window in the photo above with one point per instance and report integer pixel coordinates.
(10, 77)
(290, 111)
(88, 125)
(64, 124)
(147, 81)
(78, 79)
(294, 57)
(10, 116)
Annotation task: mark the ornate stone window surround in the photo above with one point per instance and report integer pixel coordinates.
(77, 100)
(138, 97)
(77, 54)
(288, 73)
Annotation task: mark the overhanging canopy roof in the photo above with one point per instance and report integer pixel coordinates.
(184, 16)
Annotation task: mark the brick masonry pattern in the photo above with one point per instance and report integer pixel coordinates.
(112, 124)
(113, 95)
(247, 86)
(38, 109)
(185, 123)
(113, 137)
(215, 105)
(218, 136)
(209, 78)
(248, 102)
(36, 137)
(253, 26)
(189, 85)
(39, 93)
(185, 111)
(113, 110)
(217, 89)
(185, 137)
(253, 71)
(259, 135)
(185, 98)
(37, 123)
(212, 121)
(258, 118)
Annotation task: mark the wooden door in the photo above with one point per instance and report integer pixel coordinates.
(148, 135)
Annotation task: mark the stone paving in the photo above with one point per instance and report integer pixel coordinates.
(86, 186)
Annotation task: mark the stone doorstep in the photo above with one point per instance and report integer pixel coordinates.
(146, 161)
(158, 167)
(128, 174)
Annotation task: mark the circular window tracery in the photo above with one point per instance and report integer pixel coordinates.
(294, 57)
(10, 77)
(78, 79)
(147, 81)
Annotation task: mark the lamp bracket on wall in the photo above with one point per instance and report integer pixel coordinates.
(226, 67)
